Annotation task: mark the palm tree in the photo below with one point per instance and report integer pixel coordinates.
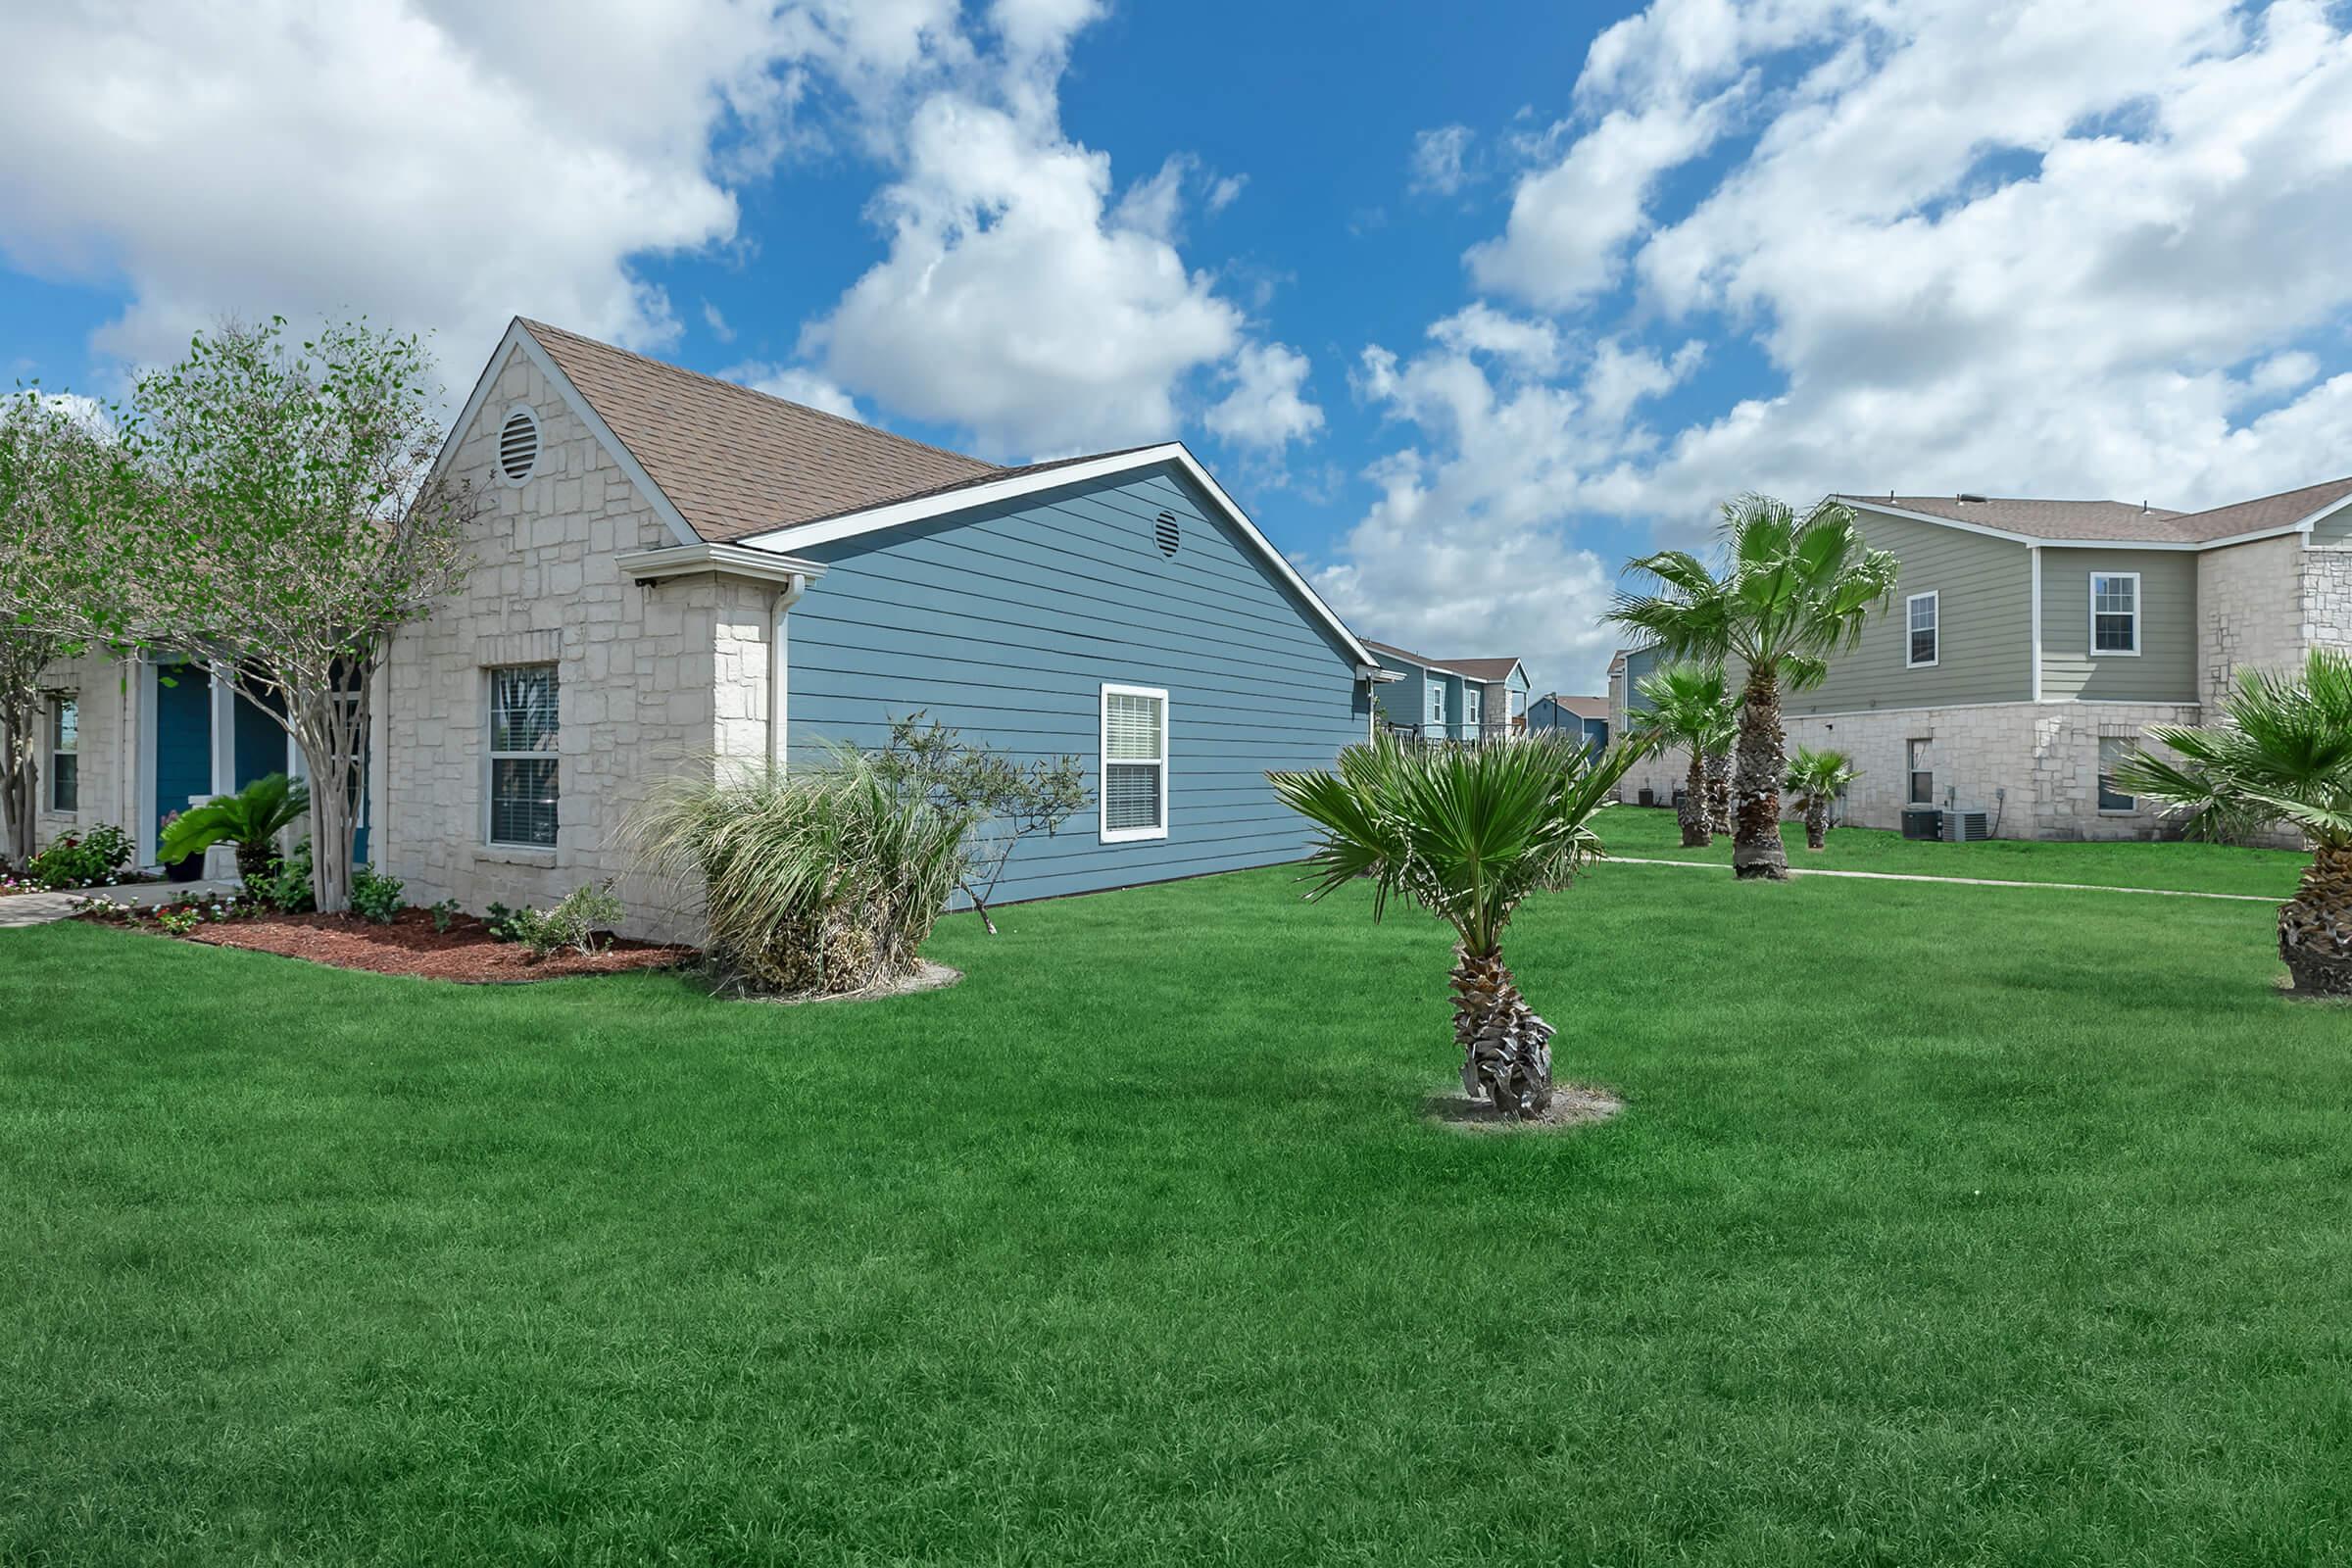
(1466, 832)
(1793, 591)
(2283, 756)
(1688, 707)
(1719, 777)
(1816, 779)
(251, 820)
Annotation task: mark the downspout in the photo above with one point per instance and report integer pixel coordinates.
(779, 605)
(2034, 562)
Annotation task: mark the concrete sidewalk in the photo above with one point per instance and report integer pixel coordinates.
(1962, 881)
(39, 909)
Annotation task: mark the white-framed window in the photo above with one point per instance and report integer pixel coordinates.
(1473, 704)
(1923, 620)
(65, 751)
(1920, 762)
(1135, 764)
(2115, 613)
(1518, 704)
(2112, 750)
(520, 792)
(1436, 706)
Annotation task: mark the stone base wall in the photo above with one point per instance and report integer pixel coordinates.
(653, 680)
(2326, 598)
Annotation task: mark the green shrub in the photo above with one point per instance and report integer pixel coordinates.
(178, 922)
(506, 924)
(374, 897)
(572, 923)
(251, 820)
(824, 881)
(287, 886)
(445, 915)
(82, 860)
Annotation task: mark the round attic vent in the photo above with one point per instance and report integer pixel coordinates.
(1167, 534)
(518, 445)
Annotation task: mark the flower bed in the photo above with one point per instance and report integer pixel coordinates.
(415, 943)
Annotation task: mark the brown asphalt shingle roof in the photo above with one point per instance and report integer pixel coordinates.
(2120, 520)
(1580, 706)
(735, 462)
(1473, 668)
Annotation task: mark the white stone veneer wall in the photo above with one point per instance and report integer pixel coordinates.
(2327, 598)
(652, 680)
(2249, 611)
(106, 794)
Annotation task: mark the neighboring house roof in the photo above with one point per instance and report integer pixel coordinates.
(1580, 706)
(724, 462)
(1478, 669)
(736, 461)
(2118, 521)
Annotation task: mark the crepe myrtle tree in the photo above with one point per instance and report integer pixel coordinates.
(66, 486)
(1001, 800)
(295, 525)
(1793, 591)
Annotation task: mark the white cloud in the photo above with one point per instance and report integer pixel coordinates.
(1530, 344)
(796, 383)
(431, 164)
(1437, 161)
(1966, 257)
(716, 320)
(1266, 407)
(1224, 192)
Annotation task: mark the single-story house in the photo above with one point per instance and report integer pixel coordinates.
(672, 567)
(1586, 716)
(1452, 699)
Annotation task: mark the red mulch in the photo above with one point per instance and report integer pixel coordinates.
(409, 945)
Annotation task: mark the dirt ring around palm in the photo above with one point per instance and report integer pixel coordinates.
(1573, 1106)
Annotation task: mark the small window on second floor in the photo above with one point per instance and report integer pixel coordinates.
(1922, 613)
(1473, 703)
(2115, 613)
(1437, 702)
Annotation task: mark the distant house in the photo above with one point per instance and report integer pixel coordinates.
(1452, 699)
(673, 568)
(2029, 643)
(1588, 716)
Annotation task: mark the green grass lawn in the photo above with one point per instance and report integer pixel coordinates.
(1946, 1225)
(2188, 867)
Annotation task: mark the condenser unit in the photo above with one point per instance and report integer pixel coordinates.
(1967, 824)
(1922, 822)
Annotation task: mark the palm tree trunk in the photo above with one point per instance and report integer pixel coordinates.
(1719, 791)
(2315, 927)
(1692, 812)
(1507, 1050)
(1817, 823)
(1756, 850)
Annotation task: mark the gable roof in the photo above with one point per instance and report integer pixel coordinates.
(736, 461)
(1478, 669)
(1580, 706)
(2100, 523)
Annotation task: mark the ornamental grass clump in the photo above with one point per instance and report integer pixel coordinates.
(824, 881)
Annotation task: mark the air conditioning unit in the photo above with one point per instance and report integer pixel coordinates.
(1922, 822)
(1967, 824)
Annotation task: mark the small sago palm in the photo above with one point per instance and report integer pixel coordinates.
(1688, 707)
(1467, 833)
(1793, 592)
(2283, 756)
(251, 820)
(1815, 781)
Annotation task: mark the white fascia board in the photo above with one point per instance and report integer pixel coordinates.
(2306, 526)
(1377, 676)
(728, 560)
(2037, 540)
(518, 337)
(897, 514)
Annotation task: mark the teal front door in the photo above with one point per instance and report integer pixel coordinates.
(183, 738)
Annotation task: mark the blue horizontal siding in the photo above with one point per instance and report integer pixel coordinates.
(1006, 622)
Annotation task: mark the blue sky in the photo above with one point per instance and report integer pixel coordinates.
(1467, 306)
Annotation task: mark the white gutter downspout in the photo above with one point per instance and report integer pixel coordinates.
(2033, 561)
(780, 604)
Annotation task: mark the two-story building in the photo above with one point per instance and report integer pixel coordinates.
(1450, 699)
(2029, 643)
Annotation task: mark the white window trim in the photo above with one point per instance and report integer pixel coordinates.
(491, 758)
(1102, 828)
(1473, 704)
(1933, 596)
(52, 712)
(498, 439)
(1432, 711)
(2139, 607)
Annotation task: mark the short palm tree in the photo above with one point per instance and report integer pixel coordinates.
(1815, 780)
(1793, 592)
(251, 820)
(1467, 833)
(1719, 778)
(2283, 756)
(1688, 707)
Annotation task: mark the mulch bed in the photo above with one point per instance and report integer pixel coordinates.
(409, 945)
